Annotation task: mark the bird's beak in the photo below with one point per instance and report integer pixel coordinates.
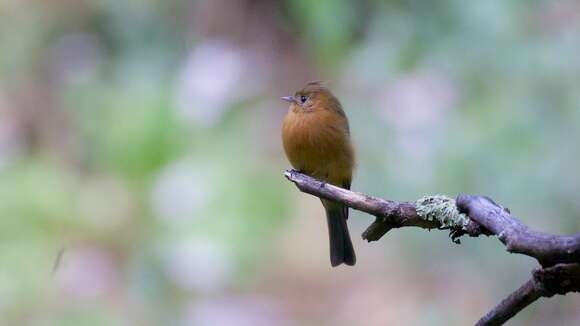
(288, 98)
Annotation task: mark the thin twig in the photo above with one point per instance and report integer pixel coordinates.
(546, 282)
(510, 306)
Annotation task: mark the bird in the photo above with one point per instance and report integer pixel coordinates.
(316, 140)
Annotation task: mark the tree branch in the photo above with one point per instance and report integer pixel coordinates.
(390, 214)
(559, 256)
(518, 238)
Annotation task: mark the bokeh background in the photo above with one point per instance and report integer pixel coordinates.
(140, 143)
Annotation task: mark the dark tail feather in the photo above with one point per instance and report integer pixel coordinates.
(341, 250)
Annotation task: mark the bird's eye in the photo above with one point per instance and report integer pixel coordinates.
(303, 98)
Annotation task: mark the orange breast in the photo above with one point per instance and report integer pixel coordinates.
(318, 144)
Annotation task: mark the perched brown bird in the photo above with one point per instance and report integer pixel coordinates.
(316, 140)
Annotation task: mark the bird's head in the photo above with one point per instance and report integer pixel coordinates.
(312, 97)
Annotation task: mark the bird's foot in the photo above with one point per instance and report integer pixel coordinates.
(291, 172)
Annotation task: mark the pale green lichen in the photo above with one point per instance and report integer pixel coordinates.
(443, 209)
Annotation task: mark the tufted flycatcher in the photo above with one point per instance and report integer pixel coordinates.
(316, 140)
